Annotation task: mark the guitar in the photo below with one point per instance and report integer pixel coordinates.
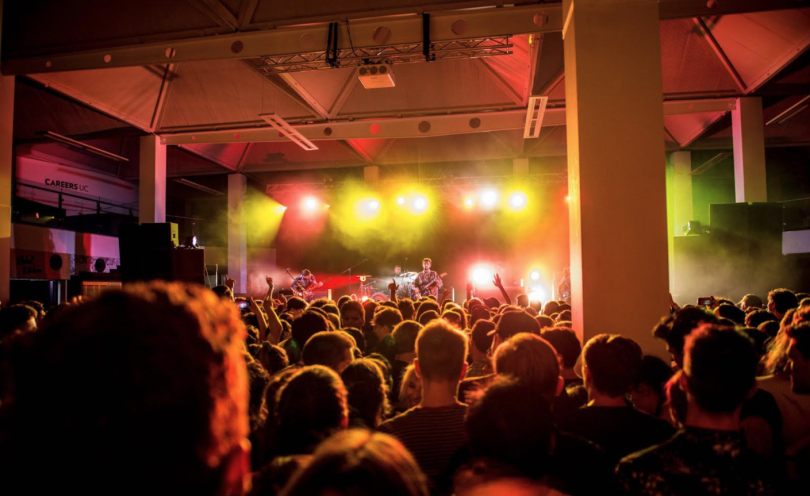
(419, 290)
(308, 293)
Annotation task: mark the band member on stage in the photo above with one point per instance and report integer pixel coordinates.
(428, 281)
(305, 281)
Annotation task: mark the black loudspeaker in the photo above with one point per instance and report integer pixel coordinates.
(146, 251)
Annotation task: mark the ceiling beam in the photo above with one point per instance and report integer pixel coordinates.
(414, 127)
(355, 149)
(207, 156)
(217, 12)
(721, 55)
(163, 97)
(345, 92)
(299, 89)
(501, 82)
(680, 9)
(480, 23)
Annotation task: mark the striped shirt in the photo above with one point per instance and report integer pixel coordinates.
(432, 435)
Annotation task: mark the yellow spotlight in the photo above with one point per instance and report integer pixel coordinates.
(568, 198)
(517, 200)
(280, 209)
(469, 202)
(489, 198)
(310, 203)
(420, 204)
(537, 294)
(535, 275)
(367, 208)
(374, 205)
(401, 200)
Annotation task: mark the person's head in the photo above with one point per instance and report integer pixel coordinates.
(781, 300)
(426, 263)
(310, 407)
(454, 319)
(151, 387)
(17, 319)
(730, 312)
(648, 393)
(504, 425)
(531, 360)
(674, 328)
(544, 321)
(523, 300)
(427, 317)
(258, 379)
(224, 292)
(720, 367)
(610, 365)
(750, 302)
(410, 389)
(385, 320)
(306, 273)
(307, 325)
(478, 312)
(481, 336)
(405, 336)
(756, 317)
(551, 308)
(512, 323)
(564, 316)
(370, 308)
(397, 269)
(427, 306)
(770, 328)
(273, 358)
(352, 314)
(406, 308)
(296, 306)
(330, 349)
(441, 353)
(565, 342)
(366, 386)
(361, 463)
(799, 355)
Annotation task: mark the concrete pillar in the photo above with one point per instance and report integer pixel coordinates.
(371, 175)
(6, 179)
(152, 185)
(681, 190)
(520, 166)
(237, 232)
(616, 168)
(748, 128)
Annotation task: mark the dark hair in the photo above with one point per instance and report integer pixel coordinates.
(730, 312)
(273, 358)
(152, 388)
(551, 308)
(531, 360)
(544, 321)
(565, 315)
(783, 299)
(426, 306)
(427, 260)
(481, 337)
(405, 336)
(296, 303)
(388, 317)
(506, 426)
(752, 300)
(514, 322)
(327, 348)
(674, 328)
(258, 379)
(368, 403)
(427, 317)
(655, 373)
(614, 363)
(307, 325)
(757, 317)
(359, 462)
(441, 351)
(800, 334)
(310, 407)
(771, 328)
(353, 306)
(343, 299)
(224, 292)
(478, 312)
(14, 316)
(565, 342)
(406, 308)
(720, 366)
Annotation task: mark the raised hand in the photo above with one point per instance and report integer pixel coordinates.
(497, 281)
(269, 281)
(469, 286)
(229, 282)
(392, 286)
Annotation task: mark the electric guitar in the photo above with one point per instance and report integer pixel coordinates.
(420, 290)
(306, 293)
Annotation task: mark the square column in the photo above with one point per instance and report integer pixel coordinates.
(748, 128)
(237, 232)
(6, 180)
(152, 185)
(681, 190)
(616, 168)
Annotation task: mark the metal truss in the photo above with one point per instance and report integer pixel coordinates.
(391, 54)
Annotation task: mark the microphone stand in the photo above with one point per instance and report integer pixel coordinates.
(349, 270)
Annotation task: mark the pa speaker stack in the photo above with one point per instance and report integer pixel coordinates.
(149, 252)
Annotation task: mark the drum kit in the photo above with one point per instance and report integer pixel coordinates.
(376, 288)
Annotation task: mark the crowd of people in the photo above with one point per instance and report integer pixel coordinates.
(163, 388)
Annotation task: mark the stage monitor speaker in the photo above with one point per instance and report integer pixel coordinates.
(160, 235)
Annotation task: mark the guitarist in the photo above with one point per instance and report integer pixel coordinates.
(304, 283)
(428, 281)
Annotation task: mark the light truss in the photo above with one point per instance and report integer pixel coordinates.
(390, 54)
(436, 183)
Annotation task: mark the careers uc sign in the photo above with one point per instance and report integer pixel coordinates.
(67, 185)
